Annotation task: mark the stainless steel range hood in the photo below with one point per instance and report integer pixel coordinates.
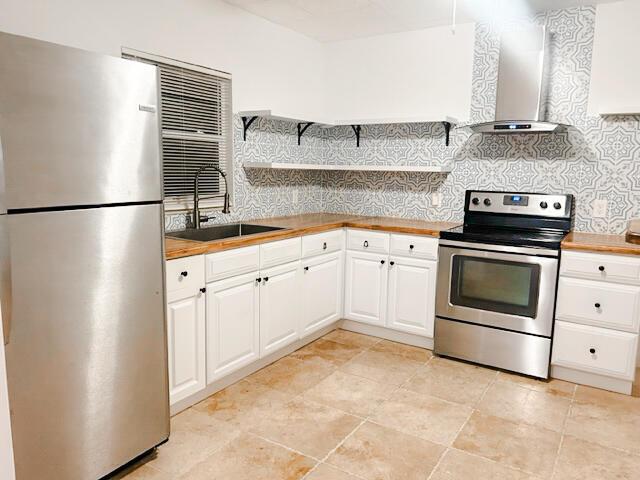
(521, 93)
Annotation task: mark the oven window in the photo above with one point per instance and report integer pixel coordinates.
(496, 285)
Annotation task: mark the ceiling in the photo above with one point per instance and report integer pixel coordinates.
(334, 20)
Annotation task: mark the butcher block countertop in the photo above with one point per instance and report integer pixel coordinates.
(304, 224)
(600, 243)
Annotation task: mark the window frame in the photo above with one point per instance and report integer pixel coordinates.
(181, 203)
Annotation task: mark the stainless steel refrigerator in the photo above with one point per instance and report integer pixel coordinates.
(82, 259)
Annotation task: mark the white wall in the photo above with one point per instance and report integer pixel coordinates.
(424, 73)
(272, 67)
(6, 450)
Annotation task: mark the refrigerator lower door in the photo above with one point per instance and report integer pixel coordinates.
(86, 357)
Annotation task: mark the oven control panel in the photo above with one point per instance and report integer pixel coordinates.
(538, 204)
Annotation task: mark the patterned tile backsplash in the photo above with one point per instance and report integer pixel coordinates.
(597, 159)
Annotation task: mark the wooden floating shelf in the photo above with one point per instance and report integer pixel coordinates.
(346, 168)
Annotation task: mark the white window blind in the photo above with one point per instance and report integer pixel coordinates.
(196, 119)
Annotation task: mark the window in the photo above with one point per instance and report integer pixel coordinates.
(196, 120)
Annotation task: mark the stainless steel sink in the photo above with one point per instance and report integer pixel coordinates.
(219, 232)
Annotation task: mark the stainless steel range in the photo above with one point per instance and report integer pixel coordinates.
(497, 280)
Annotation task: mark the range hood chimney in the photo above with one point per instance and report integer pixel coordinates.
(521, 93)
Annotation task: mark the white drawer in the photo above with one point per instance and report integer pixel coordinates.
(185, 274)
(595, 350)
(596, 266)
(282, 251)
(232, 262)
(610, 305)
(368, 241)
(325, 242)
(414, 246)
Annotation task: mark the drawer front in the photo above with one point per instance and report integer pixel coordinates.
(610, 305)
(595, 350)
(282, 251)
(320, 243)
(414, 246)
(368, 241)
(595, 266)
(232, 262)
(185, 274)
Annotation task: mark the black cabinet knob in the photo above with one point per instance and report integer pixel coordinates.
(601, 268)
(366, 244)
(411, 247)
(266, 279)
(258, 280)
(557, 206)
(597, 305)
(324, 246)
(306, 269)
(382, 262)
(592, 351)
(392, 263)
(203, 290)
(543, 205)
(487, 202)
(184, 274)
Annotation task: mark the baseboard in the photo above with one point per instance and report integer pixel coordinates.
(592, 379)
(387, 334)
(248, 370)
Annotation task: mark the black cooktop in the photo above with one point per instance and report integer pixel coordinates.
(513, 237)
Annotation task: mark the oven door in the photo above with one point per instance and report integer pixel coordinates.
(514, 291)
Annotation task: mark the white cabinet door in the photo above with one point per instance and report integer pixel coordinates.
(186, 346)
(412, 294)
(279, 312)
(322, 279)
(233, 325)
(365, 297)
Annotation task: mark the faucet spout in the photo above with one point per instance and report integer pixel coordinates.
(196, 194)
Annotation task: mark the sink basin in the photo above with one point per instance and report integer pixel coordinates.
(219, 232)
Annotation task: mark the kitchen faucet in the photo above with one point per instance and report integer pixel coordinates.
(196, 200)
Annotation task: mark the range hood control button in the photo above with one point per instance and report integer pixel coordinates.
(557, 206)
(475, 201)
(543, 205)
(487, 202)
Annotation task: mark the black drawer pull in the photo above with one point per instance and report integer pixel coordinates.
(366, 244)
(184, 274)
(411, 247)
(203, 290)
(324, 246)
(258, 280)
(382, 262)
(266, 279)
(601, 268)
(597, 305)
(306, 269)
(392, 263)
(592, 351)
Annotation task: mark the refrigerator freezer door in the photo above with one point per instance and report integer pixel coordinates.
(78, 128)
(87, 358)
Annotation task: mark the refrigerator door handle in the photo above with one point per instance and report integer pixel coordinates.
(5, 258)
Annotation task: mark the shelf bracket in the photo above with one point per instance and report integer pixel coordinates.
(356, 130)
(302, 127)
(246, 123)
(447, 132)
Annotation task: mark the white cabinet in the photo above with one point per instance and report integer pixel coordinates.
(186, 346)
(233, 324)
(412, 290)
(615, 68)
(365, 297)
(322, 281)
(279, 302)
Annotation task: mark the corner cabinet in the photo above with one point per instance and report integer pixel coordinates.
(322, 281)
(185, 327)
(365, 297)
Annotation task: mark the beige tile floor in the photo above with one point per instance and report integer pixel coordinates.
(353, 407)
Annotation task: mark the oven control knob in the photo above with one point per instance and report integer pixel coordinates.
(543, 205)
(487, 202)
(475, 200)
(557, 206)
